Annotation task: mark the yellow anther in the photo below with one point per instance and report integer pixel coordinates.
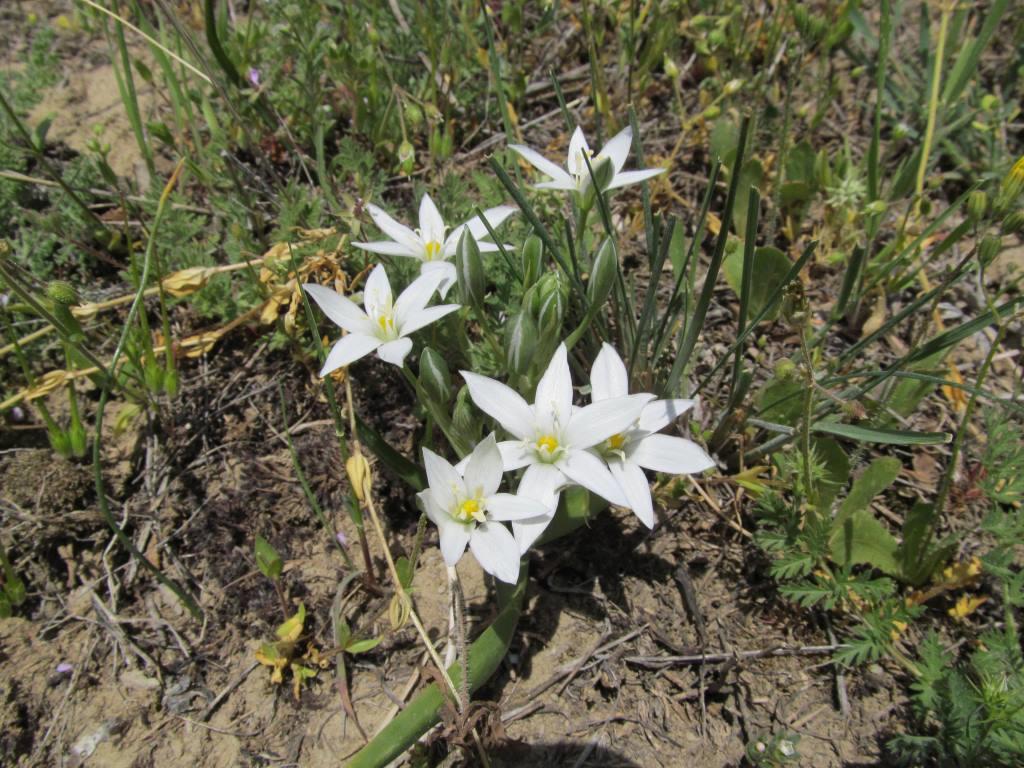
(470, 509)
(433, 249)
(548, 443)
(615, 442)
(386, 323)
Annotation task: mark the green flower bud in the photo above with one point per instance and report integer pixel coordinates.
(435, 377)
(603, 272)
(977, 205)
(520, 342)
(406, 157)
(532, 260)
(1011, 187)
(550, 310)
(733, 86)
(785, 369)
(413, 115)
(464, 420)
(875, 208)
(989, 248)
(711, 112)
(62, 292)
(469, 271)
(1013, 223)
(670, 67)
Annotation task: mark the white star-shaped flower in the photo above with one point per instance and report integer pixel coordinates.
(575, 177)
(428, 243)
(552, 438)
(636, 448)
(385, 325)
(467, 509)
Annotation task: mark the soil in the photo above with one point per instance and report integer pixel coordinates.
(112, 671)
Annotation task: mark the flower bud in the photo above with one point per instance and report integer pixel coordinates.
(550, 305)
(406, 157)
(1013, 223)
(670, 67)
(413, 115)
(520, 342)
(469, 271)
(532, 260)
(977, 205)
(1011, 186)
(875, 208)
(435, 377)
(603, 272)
(62, 292)
(989, 248)
(733, 86)
(359, 476)
(711, 112)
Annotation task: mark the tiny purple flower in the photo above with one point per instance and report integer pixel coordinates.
(64, 668)
(254, 77)
(342, 538)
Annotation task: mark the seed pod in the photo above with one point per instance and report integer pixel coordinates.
(977, 205)
(435, 377)
(603, 272)
(359, 476)
(989, 248)
(532, 260)
(520, 342)
(469, 271)
(62, 292)
(406, 157)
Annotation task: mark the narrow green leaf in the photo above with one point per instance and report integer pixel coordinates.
(883, 436)
(362, 646)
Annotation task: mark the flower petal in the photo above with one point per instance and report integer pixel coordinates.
(567, 185)
(633, 482)
(617, 148)
(484, 468)
(394, 352)
(597, 422)
(542, 164)
(426, 317)
(626, 178)
(415, 297)
(388, 248)
(514, 454)
(659, 414)
(431, 223)
(584, 468)
(494, 216)
(553, 401)
(396, 231)
(496, 551)
(445, 483)
(577, 146)
(672, 455)
(349, 349)
(339, 309)
(377, 293)
(510, 506)
(501, 403)
(541, 482)
(608, 377)
(447, 271)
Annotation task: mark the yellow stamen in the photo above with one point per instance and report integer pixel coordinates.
(615, 442)
(470, 509)
(433, 249)
(548, 443)
(386, 323)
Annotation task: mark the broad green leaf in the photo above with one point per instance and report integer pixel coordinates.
(725, 135)
(751, 176)
(677, 249)
(800, 163)
(879, 475)
(883, 436)
(837, 470)
(862, 540)
(267, 559)
(5, 607)
(404, 569)
(781, 401)
(770, 269)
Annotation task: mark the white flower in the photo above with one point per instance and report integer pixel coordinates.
(552, 438)
(428, 243)
(466, 509)
(632, 450)
(575, 176)
(385, 325)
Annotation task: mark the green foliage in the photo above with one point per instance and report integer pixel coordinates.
(267, 559)
(967, 714)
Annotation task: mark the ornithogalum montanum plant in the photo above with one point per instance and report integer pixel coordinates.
(637, 448)
(385, 325)
(467, 509)
(428, 244)
(552, 438)
(575, 177)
